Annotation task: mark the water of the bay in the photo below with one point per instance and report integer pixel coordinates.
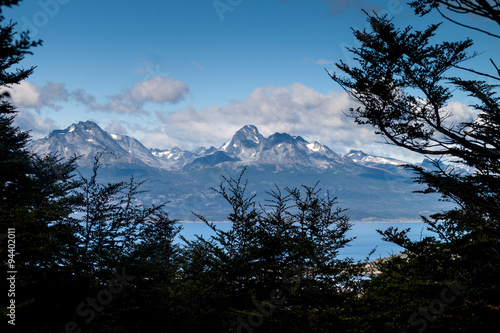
(366, 235)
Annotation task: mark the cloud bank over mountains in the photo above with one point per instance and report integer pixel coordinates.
(295, 108)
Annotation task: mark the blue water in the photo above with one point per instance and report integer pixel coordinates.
(366, 235)
(367, 238)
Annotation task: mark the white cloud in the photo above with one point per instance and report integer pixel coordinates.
(116, 128)
(29, 100)
(296, 109)
(160, 90)
(459, 113)
(121, 103)
(52, 93)
(130, 101)
(24, 94)
(84, 98)
(29, 95)
(37, 126)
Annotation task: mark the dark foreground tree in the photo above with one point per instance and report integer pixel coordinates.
(404, 82)
(276, 269)
(119, 235)
(111, 221)
(76, 241)
(35, 192)
(489, 10)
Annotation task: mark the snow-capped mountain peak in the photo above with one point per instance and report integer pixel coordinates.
(86, 139)
(314, 146)
(249, 133)
(360, 157)
(247, 147)
(248, 137)
(185, 178)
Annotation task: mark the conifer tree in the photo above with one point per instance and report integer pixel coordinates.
(403, 82)
(35, 192)
(33, 189)
(278, 265)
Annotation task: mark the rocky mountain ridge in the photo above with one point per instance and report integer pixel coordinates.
(373, 188)
(247, 147)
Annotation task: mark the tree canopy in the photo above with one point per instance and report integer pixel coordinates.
(404, 82)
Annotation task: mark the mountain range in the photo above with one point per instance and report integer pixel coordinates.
(373, 188)
(247, 147)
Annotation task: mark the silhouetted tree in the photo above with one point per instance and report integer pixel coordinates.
(402, 84)
(279, 258)
(489, 10)
(111, 219)
(35, 196)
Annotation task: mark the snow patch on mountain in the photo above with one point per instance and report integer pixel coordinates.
(367, 184)
(360, 157)
(314, 146)
(247, 147)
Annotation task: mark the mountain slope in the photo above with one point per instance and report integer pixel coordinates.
(87, 139)
(248, 147)
(283, 151)
(373, 188)
(360, 157)
(137, 150)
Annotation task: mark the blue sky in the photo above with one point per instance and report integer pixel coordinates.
(191, 72)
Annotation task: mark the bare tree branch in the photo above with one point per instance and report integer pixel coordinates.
(477, 72)
(467, 26)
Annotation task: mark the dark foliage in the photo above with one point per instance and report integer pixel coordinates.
(403, 86)
(284, 250)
